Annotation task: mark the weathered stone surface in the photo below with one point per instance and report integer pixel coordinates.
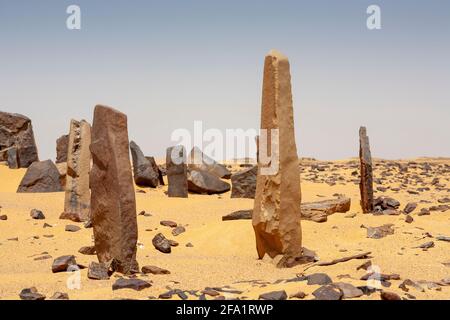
(206, 183)
(273, 295)
(328, 292)
(276, 214)
(319, 211)
(161, 243)
(366, 183)
(386, 295)
(348, 290)
(318, 278)
(59, 296)
(201, 162)
(113, 203)
(135, 284)
(31, 294)
(154, 270)
(41, 177)
(13, 159)
(98, 271)
(244, 183)
(62, 169)
(88, 250)
(157, 169)
(63, 263)
(78, 196)
(144, 173)
(379, 232)
(178, 230)
(16, 131)
(72, 228)
(177, 172)
(62, 146)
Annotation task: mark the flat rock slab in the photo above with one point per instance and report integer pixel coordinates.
(154, 270)
(238, 215)
(98, 271)
(348, 290)
(135, 284)
(319, 210)
(63, 263)
(328, 292)
(201, 162)
(379, 232)
(31, 294)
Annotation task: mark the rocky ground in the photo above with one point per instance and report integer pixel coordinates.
(399, 251)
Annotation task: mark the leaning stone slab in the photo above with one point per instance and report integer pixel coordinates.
(276, 214)
(200, 161)
(113, 203)
(41, 177)
(203, 182)
(78, 196)
(366, 183)
(177, 172)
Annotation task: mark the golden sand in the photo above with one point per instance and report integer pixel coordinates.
(223, 252)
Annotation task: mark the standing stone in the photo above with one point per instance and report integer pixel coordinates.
(200, 161)
(276, 214)
(144, 173)
(244, 183)
(113, 203)
(177, 172)
(13, 159)
(41, 176)
(78, 196)
(16, 131)
(62, 146)
(366, 183)
(156, 169)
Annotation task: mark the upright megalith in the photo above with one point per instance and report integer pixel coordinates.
(366, 183)
(276, 214)
(113, 203)
(62, 146)
(78, 196)
(177, 172)
(144, 173)
(16, 132)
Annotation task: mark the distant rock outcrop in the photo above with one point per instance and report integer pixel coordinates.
(16, 132)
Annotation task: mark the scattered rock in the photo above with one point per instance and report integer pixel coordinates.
(154, 270)
(349, 291)
(273, 295)
(318, 211)
(443, 238)
(318, 278)
(178, 230)
(59, 296)
(379, 232)
(410, 207)
(328, 292)
(426, 245)
(161, 243)
(63, 263)
(135, 284)
(167, 223)
(37, 214)
(409, 219)
(72, 228)
(31, 294)
(98, 271)
(298, 295)
(386, 295)
(88, 250)
(3, 217)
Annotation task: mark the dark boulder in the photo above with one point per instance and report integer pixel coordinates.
(41, 177)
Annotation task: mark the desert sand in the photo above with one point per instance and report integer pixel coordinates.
(223, 253)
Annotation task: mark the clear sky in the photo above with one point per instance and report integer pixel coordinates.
(168, 63)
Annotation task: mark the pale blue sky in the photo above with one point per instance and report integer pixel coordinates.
(168, 63)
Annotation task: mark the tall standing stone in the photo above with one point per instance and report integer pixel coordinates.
(78, 197)
(16, 131)
(113, 203)
(276, 214)
(177, 172)
(62, 146)
(366, 183)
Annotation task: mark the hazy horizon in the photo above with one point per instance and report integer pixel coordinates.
(168, 64)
